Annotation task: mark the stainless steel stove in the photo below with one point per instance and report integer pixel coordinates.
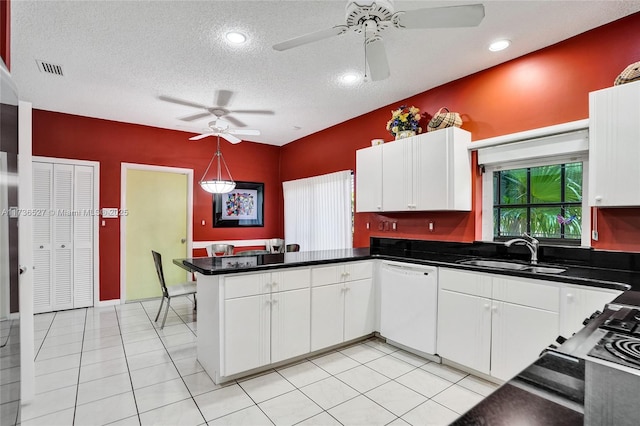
(621, 344)
(609, 348)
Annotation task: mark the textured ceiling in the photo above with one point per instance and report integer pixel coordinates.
(119, 58)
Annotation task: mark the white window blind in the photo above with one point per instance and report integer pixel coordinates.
(566, 144)
(317, 211)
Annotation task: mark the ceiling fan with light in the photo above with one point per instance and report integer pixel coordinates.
(372, 17)
(220, 128)
(223, 98)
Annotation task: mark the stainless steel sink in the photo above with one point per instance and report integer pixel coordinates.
(545, 269)
(495, 264)
(513, 266)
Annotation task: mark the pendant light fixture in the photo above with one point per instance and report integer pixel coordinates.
(218, 185)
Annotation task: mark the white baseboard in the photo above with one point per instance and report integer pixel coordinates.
(104, 303)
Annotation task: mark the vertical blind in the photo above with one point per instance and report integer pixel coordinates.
(317, 211)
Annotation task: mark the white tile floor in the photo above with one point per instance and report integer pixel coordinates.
(114, 366)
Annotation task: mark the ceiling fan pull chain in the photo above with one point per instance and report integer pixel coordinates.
(365, 55)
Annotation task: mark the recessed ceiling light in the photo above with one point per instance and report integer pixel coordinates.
(350, 78)
(499, 45)
(236, 37)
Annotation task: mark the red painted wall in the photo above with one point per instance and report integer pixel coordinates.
(111, 143)
(5, 32)
(540, 89)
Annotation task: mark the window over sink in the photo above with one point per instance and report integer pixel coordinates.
(543, 201)
(536, 182)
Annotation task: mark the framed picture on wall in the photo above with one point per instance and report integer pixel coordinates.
(244, 206)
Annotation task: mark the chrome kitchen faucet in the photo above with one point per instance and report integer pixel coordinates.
(532, 244)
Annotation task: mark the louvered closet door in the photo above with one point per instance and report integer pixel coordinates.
(83, 237)
(42, 204)
(63, 236)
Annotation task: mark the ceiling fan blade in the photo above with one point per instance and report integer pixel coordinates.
(230, 138)
(223, 98)
(310, 38)
(234, 121)
(202, 136)
(442, 17)
(377, 58)
(253, 111)
(244, 132)
(180, 101)
(195, 116)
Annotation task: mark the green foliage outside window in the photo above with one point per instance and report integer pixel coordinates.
(544, 201)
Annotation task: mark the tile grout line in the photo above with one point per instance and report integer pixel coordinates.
(173, 362)
(75, 404)
(126, 360)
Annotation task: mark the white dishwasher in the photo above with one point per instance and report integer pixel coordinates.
(408, 305)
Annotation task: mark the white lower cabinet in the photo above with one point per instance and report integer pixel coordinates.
(327, 316)
(496, 325)
(518, 335)
(260, 325)
(290, 319)
(464, 329)
(263, 329)
(342, 303)
(359, 309)
(247, 330)
(578, 303)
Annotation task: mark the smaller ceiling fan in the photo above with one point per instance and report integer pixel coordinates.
(223, 97)
(220, 127)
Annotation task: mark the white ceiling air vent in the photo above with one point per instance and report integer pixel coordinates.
(49, 67)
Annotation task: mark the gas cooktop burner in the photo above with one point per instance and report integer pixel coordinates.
(627, 349)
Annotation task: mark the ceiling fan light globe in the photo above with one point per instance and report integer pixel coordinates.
(218, 186)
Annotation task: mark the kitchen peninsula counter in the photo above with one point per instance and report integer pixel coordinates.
(238, 263)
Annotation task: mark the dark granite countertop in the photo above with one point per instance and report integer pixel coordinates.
(514, 405)
(574, 274)
(252, 263)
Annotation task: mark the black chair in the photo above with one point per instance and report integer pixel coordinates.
(292, 247)
(183, 289)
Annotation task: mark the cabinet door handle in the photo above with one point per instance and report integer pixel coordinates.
(41, 247)
(494, 308)
(486, 306)
(62, 246)
(569, 296)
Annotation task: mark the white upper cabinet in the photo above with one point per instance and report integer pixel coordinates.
(369, 179)
(430, 171)
(614, 146)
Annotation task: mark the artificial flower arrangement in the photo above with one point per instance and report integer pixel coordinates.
(404, 118)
